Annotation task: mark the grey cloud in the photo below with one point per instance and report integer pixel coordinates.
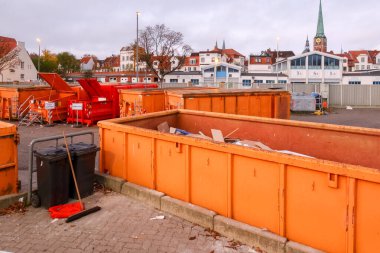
(103, 27)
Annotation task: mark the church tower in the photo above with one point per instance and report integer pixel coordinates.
(307, 46)
(320, 40)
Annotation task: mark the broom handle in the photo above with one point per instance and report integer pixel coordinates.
(72, 171)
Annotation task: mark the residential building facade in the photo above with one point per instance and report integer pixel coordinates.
(24, 70)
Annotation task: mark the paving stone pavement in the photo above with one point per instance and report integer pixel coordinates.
(122, 225)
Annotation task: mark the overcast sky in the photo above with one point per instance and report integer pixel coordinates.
(102, 27)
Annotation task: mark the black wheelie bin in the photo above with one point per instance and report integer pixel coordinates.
(52, 177)
(83, 158)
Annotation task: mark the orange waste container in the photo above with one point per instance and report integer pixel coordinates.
(324, 194)
(8, 158)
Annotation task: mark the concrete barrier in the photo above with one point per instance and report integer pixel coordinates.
(113, 183)
(146, 195)
(249, 235)
(294, 247)
(7, 200)
(187, 211)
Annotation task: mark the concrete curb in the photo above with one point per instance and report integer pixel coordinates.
(249, 235)
(113, 183)
(295, 247)
(7, 200)
(148, 196)
(187, 211)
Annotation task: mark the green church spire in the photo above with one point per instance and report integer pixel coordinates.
(320, 27)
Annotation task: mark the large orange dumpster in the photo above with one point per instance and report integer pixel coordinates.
(253, 102)
(54, 106)
(326, 200)
(8, 158)
(136, 102)
(14, 99)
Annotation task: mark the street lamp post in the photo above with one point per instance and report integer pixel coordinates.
(137, 46)
(277, 65)
(39, 54)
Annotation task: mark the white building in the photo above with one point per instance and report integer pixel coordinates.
(253, 80)
(360, 60)
(365, 77)
(312, 67)
(221, 73)
(25, 70)
(127, 60)
(193, 77)
(88, 62)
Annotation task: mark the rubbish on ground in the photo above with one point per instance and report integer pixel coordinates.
(98, 187)
(253, 144)
(55, 220)
(163, 127)
(159, 217)
(293, 153)
(217, 135)
(192, 238)
(228, 135)
(349, 107)
(18, 207)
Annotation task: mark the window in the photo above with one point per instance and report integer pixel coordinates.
(344, 60)
(363, 59)
(22, 64)
(269, 81)
(363, 67)
(155, 63)
(281, 81)
(247, 83)
(194, 69)
(315, 61)
(344, 68)
(183, 80)
(378, 61)
(22, 76)
(258, 81)
(123, 58)
(258, 59)
(213, 59)
(357, 67)
(173, 80)
(331, 63)
(194, 81)
(376, 82)
(202, 59)
(232, 70)
(368, 67)
(11, 70)
(193, 61)
(299, 63)
(269, 67)
(354, 82)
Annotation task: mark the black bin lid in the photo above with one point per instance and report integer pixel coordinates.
(51, 153)
(81, 148)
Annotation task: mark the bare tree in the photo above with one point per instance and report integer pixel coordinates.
(8, 57)
(162, 47)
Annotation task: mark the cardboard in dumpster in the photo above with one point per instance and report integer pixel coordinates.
(253, 144)
(217, 135)
(163, 127)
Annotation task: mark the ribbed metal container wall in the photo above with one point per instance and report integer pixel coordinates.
(8, 158)
(328, 201)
